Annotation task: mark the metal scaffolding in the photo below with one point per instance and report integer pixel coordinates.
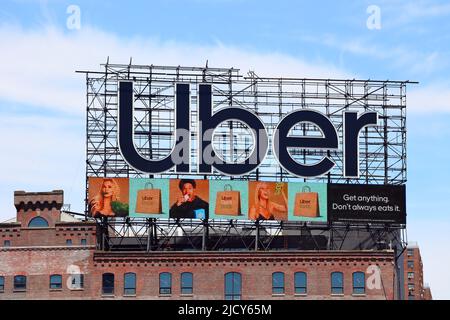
(382, 148)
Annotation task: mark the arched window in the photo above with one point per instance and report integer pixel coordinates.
(278, 282)
(20, 283)
(300, 283)
(233, 285)
(165, 283)
(129, 281)
(38, 222)
(55, 281)
(359, 283)
(108, 283)
(337, 283)
(186, 283)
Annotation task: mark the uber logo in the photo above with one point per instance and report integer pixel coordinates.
(207, 159)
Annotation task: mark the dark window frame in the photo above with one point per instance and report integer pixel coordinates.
(110, 278)
(278, 285)
(2, 284)
(55, 284)
(336, 288)
(189, 288)
(233, 294)
(18, 286)
(165, 286)
(299, 289)
(129, 290)
(359, 288)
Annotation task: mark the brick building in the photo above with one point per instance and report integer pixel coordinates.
(415, 288)
(48, 254)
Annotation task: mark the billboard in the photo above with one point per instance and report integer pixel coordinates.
(246, 200)
(301, 136)
(367, 203)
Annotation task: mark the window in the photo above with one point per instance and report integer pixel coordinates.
(165, 283)
(300, 282)
(68, 242)
(7, 243)
(83, 242)
(129, 283)
(2, 284)
(56, 281)
(278, 283)
(410, 264)
(77, 281)
(359, 283)
(108, 284)
(410, 252)
(233, 286)
(38, 222)
(411, 287)
(186, 283)
(410, 275)
(337, 283)
(20, 283)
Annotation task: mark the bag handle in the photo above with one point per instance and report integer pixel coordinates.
(148, 184)
(229, 186)
(306, 189)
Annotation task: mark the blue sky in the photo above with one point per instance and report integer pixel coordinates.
(42, 99)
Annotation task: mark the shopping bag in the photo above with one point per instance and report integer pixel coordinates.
(307, 203)
(228, 202)
(148, 200)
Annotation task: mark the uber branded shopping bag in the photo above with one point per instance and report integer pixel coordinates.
(307, 203)
(228, 202)
(148, 200)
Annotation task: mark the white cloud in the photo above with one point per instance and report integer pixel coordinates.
(40, 64)
(412, 11)
(41, 153)
(433, 98)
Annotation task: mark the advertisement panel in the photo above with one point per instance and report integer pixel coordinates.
(367, 203)
(149, 198)
(246, 200)
(189, 198)
(108, 197)
(307, 202)
(228, 199)
(268, 200)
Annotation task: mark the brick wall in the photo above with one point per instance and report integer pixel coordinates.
(208, 270)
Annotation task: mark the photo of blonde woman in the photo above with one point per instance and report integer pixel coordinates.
(265, 204)
(106, 202)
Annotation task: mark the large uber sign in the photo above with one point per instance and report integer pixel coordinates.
(208, 121)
